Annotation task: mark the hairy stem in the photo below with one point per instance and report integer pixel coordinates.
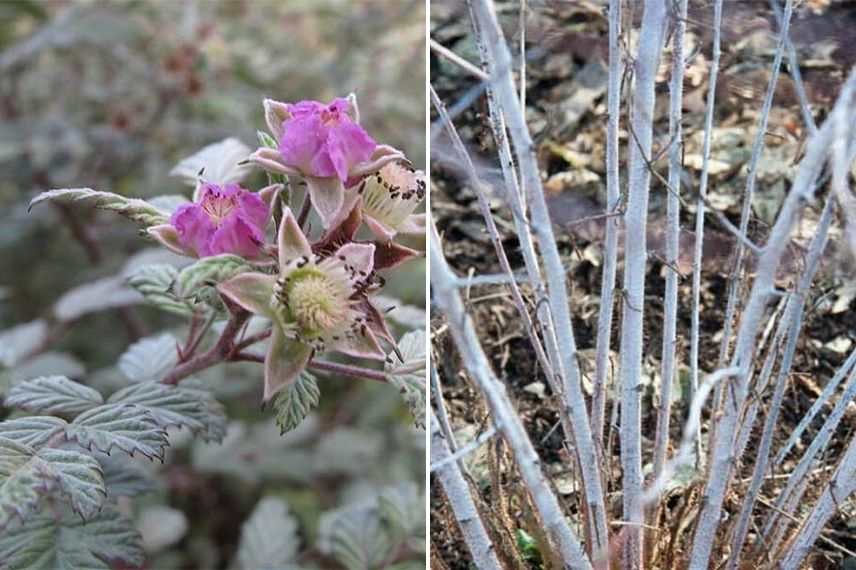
(613, 223)
(568, 366)
(635, 259)
(463, 332)
(460, 499)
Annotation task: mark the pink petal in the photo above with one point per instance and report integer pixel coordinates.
(252, 291)
(356, 144)
(236, 235)
(327, 196)
(253, 209)
(305, 108)
(271, 160)
(381, 156)
(284, 362)
(194, 228)
(360, 256)
(302, 143)
(167, 236)
(291, 241)
(331, 160)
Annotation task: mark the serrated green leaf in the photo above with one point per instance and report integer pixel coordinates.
(356, 538)
(403, 507)
(53, 395)
(214, 412)
(130, 428)
(149, 359)
(269, 537)
(124, 478)
(27, 474)
(173, 406)
(34, 431)
(196, 282)
(134, 209)
(79, 477)
(409, 376)
(155, 283)
(295, 402)
(47, 542)
(21, 486)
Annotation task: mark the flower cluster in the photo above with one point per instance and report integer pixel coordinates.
(315, 293)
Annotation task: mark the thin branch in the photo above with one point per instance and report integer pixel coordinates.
(460, 499)
(801, 192)
(448, 300)
(635, 259)
(217, 353)
(673, 230)
(610, 251)
(568, 367)
(793, 322)
(467, 449)
(484, 205)
(451, 56)
(757, 150)
(698, 248)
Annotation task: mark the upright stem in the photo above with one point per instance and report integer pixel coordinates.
(698, 246)
(515, 198)
(757, 151)
(610, 251)
(673, 229)
(636, 253)
(836, 492)
(793, 321)
(458, 493)
(448, 300)
(801, 192)
(568, 366)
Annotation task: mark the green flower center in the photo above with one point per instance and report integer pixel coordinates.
(317, 303)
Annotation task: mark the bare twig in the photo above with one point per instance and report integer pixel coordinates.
(757, 151)
(448, 300)
(635, 257)
(449, 55)
(800, 193)
(568, 367)
(673, 229)
(700, 205)
(610, 251)
(458, 493)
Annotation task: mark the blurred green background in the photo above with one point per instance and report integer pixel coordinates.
(111, 95)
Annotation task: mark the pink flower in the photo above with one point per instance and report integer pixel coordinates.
(323, 140)
(223, 219)
(325, 145)
(315, 304)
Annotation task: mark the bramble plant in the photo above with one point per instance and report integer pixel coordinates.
(269, 288)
